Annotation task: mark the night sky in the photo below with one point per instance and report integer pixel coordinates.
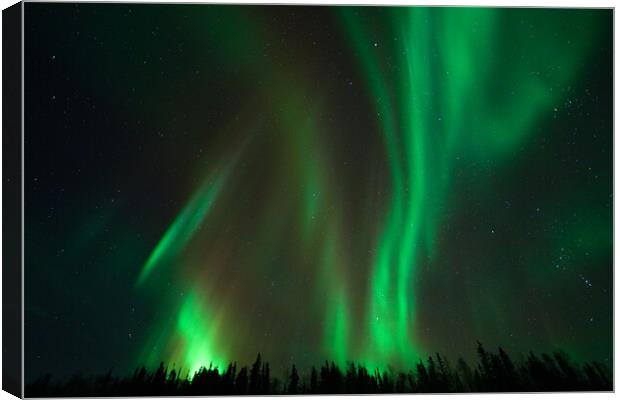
(371, 184)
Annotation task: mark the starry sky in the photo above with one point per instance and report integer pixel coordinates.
(372, 184)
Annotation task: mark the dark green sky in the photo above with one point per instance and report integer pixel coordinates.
(350, 183)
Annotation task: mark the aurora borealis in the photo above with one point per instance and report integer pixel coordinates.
(369, 184)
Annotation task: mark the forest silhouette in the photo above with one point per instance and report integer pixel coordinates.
(493, 372)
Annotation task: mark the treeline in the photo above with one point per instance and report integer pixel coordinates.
(494, 372)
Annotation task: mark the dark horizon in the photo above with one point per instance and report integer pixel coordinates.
(494, 372)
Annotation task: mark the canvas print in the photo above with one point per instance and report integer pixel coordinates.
(236, 199)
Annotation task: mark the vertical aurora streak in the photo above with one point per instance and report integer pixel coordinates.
(433, 90)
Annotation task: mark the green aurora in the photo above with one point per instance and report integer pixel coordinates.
(430, 208)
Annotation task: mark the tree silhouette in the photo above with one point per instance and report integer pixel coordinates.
(313, 381)
(492, 372)
(241, 383)
(255, 376)
(293, 385)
